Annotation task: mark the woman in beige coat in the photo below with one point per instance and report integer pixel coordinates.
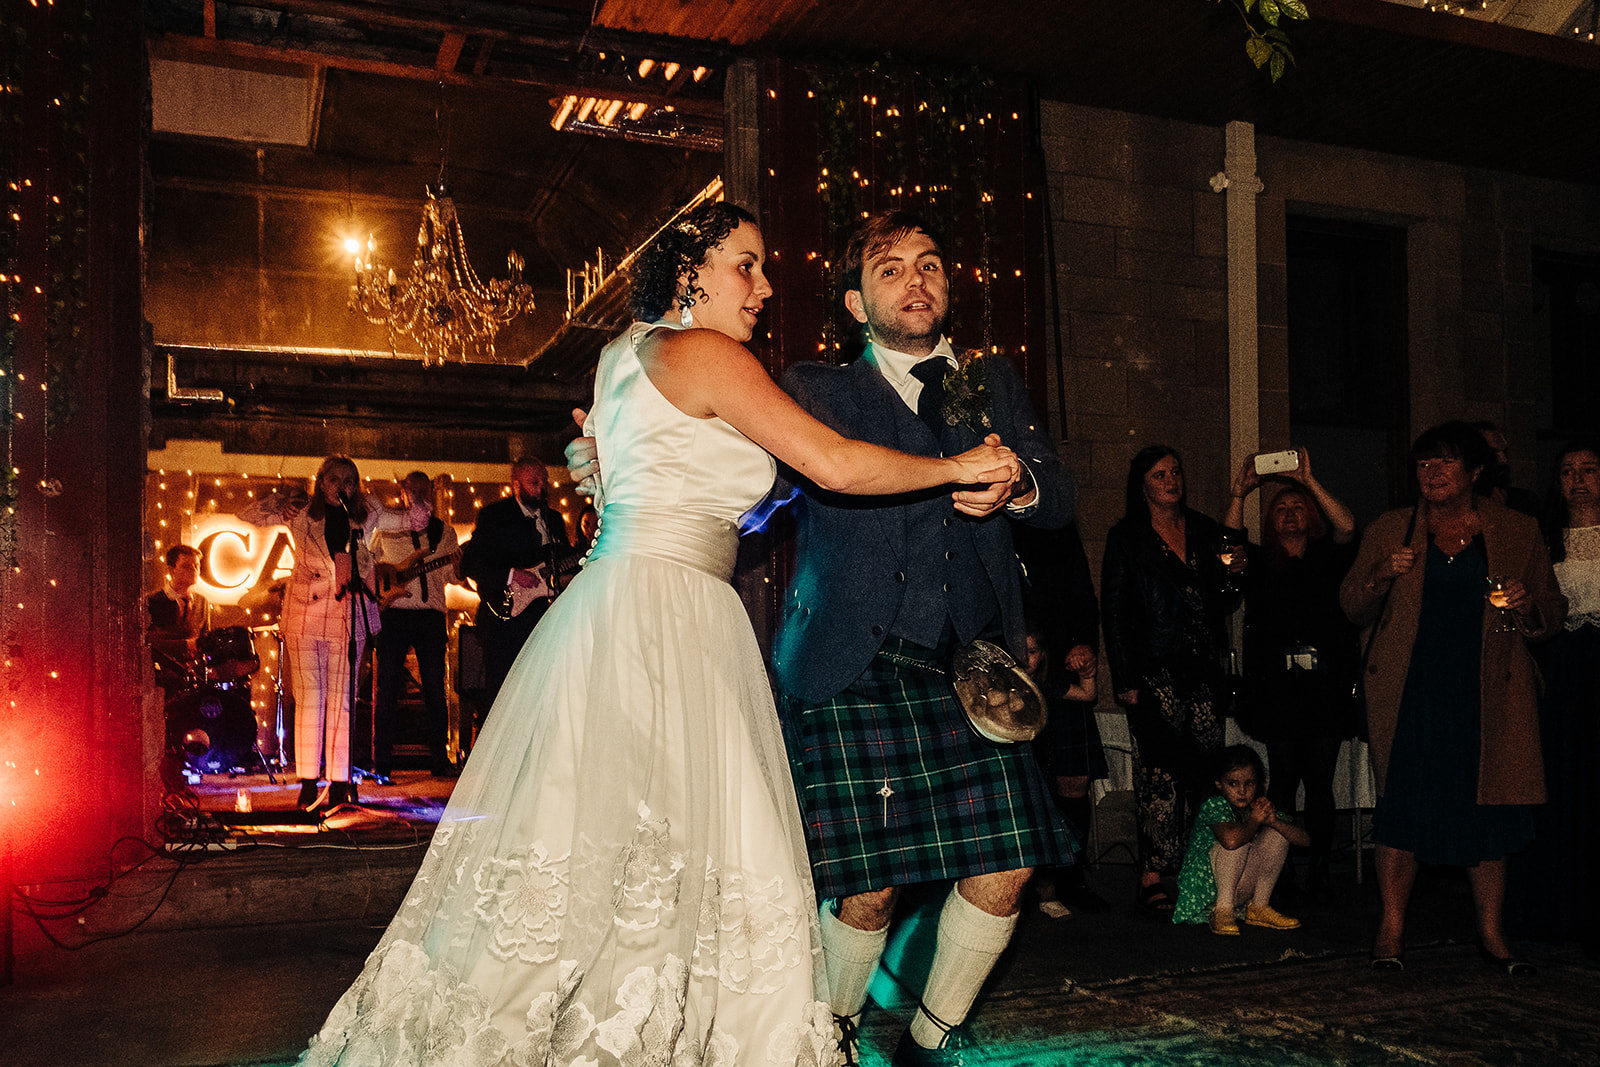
(1450, 690)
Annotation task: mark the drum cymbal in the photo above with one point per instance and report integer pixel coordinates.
(258, 598)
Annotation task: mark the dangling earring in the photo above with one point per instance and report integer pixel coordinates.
(686, 316)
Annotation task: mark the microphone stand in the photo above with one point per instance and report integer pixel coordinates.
(359, 593)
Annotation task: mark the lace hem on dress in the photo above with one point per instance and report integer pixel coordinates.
(403, 1012)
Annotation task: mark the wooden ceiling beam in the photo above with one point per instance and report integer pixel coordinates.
(185, 49)
(450, 51)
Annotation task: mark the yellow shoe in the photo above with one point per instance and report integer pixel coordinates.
(1222, 922)
(1263, 915)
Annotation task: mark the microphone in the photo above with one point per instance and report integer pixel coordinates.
(344, 499)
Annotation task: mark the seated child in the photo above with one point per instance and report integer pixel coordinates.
(1236, 851)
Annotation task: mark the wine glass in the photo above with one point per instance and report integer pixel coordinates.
(1229, 549)
(1496, 596)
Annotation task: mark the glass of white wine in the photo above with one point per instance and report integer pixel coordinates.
(1497, 598)
(1230, 549)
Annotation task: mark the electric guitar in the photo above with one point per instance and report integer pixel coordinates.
(549, 579)
(392, 579)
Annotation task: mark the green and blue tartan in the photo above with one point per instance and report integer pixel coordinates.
(895, 789)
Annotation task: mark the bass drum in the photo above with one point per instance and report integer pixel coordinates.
(229, 653)
(213, 729)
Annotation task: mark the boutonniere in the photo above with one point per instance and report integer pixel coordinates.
(967, 401)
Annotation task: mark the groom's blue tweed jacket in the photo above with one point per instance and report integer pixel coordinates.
(869, 567)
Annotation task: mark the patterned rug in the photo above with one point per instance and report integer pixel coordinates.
(1447, 1007)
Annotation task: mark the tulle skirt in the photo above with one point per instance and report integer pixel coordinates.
(620, 876)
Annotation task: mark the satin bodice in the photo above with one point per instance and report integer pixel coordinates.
(673, 486)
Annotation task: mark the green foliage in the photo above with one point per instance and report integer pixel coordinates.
(1267, 45)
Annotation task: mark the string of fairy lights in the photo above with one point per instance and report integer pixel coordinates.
(242, 560)
(890, 138)
(46, 65)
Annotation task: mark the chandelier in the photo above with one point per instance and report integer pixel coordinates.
(441, 304)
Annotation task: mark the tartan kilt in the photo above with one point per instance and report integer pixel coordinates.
(956, 805)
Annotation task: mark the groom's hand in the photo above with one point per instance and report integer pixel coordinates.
(583, 459)
(990, 498)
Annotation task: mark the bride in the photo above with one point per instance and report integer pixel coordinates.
(621, 876)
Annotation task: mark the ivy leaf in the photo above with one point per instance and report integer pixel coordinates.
(1277, 65)
(1258, 50)
(1269, 11)
(1294, 9)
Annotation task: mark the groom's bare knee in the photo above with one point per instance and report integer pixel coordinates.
(868, 911)
(997, 892)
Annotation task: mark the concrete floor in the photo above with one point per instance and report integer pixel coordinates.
(249, 948)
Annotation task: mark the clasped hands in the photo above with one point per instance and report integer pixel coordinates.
(1261, 811)
(1001, 476)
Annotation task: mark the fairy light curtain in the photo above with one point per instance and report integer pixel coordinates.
(954, 145)
(71, 381)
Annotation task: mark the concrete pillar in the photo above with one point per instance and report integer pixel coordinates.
(1238, 183)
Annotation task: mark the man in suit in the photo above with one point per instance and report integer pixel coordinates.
(515, 547)
(413, 618)
(894, 787)
(178, 616)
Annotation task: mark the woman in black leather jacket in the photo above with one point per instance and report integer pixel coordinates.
(1165, 595)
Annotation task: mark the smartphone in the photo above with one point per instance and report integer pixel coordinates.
(1278, 462)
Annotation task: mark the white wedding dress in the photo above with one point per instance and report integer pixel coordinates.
(620, 876)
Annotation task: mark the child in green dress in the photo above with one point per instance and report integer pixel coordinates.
(1237, 850)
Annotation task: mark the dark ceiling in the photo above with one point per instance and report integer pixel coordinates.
(406, 85)
(1368, 74)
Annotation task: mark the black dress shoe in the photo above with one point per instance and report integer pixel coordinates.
(1510, 966)
(949, 1053)
(341, 793)
(307, 800)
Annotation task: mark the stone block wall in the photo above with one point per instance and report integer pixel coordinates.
(1141, 275)
(1140, 288)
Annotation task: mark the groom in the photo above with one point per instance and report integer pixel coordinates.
(894, 788)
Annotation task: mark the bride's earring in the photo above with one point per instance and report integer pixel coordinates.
(686, 316)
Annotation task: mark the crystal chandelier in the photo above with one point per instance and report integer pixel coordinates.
(441, 304)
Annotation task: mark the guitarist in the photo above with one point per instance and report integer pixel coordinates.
(509, 557)
(406, 542)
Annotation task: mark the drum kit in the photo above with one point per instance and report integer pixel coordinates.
(210, 723)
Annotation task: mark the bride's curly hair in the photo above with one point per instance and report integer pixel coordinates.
(678, 252)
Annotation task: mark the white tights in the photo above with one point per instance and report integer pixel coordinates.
(1251, 871)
